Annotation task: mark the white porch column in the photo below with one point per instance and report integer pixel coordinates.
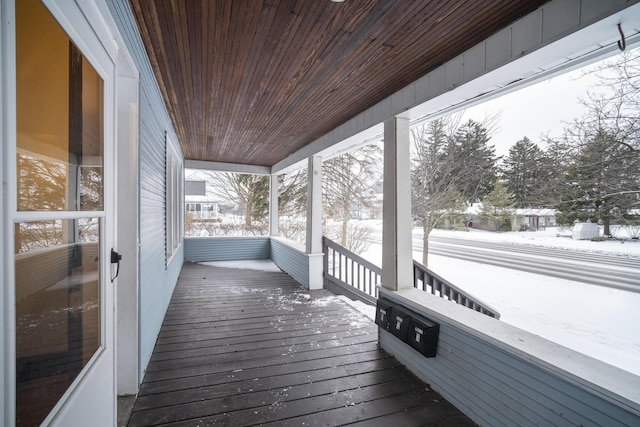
(397, 258)
(314, 222)
(273, 206)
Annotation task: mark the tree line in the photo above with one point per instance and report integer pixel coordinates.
(591, 172)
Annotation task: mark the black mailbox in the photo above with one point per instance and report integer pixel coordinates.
(423, 336)
(383, 312)
(399, 323)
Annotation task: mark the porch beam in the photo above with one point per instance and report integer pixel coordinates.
(397, 257)
(227, 167)
(314, 221)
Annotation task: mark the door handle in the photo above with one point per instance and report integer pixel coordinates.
(115, 259)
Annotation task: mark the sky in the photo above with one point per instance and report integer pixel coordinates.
(537, 110)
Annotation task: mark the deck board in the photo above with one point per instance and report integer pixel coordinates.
(243, 347)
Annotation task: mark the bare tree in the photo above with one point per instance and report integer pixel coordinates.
(614, 103)
(434, 192)
(347, 180)
(250, 193)
(452, 164)
(292, 205)
(603, 176)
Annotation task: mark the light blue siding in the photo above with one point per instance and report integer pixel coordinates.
(157, 279)
(499, 375)
(226, 248)
(292, 261)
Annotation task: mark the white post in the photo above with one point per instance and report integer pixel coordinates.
(397, 257)
(314, 222)
(273, 206)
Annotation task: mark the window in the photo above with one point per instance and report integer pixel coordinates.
(174, 197)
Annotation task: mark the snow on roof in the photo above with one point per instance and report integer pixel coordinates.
(536, 211)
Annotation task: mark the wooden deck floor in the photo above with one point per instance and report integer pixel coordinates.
(243, 347)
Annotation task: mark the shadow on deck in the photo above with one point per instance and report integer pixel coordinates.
(243, 347)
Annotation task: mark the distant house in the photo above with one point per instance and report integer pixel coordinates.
(529, 219)
(201, 209)
(533, 219)
(373, 209)
(197, 204)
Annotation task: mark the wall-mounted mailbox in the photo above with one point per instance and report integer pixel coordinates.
(383, 313)
(423, 336)
(419, 332)
(399, 323)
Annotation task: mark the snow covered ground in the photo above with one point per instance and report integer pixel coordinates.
(600, 322)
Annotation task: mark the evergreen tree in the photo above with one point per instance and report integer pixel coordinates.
(475, 161)
(292, 193)
(253, 192)
(556, 161)
(524, 173)
(497, 207)
(603, 182)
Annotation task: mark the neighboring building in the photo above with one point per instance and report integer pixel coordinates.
(198, 206)
(532, 219)
(201, 209)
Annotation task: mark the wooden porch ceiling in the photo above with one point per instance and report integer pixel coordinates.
(251, 82)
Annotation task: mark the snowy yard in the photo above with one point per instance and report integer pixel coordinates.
(601, 322)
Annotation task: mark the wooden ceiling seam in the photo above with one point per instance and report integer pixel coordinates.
(254, 81)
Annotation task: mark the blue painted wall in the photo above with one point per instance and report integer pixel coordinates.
(295, 262)
(226, 248)
(157, 279)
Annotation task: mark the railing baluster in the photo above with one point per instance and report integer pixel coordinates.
(333, 253)
(368, 276)
(352, 283)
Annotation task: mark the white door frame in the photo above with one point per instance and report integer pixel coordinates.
(7, 128)
(127, 224)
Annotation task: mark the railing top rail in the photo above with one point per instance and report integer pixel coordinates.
(341, 249)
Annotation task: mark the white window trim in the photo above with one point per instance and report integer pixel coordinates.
(174, 225)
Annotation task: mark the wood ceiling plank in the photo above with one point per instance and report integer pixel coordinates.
(253, 81)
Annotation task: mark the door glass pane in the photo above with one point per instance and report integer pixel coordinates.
(59, 117)
(59, 167)
(57, 272)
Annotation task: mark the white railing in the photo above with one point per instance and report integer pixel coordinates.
(348, 274)
(428, 281)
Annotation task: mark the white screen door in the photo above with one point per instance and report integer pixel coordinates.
(63, 220)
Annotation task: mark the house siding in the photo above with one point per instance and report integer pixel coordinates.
(496, 383)
(157, 278)
(197, 249)
(294, 262)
